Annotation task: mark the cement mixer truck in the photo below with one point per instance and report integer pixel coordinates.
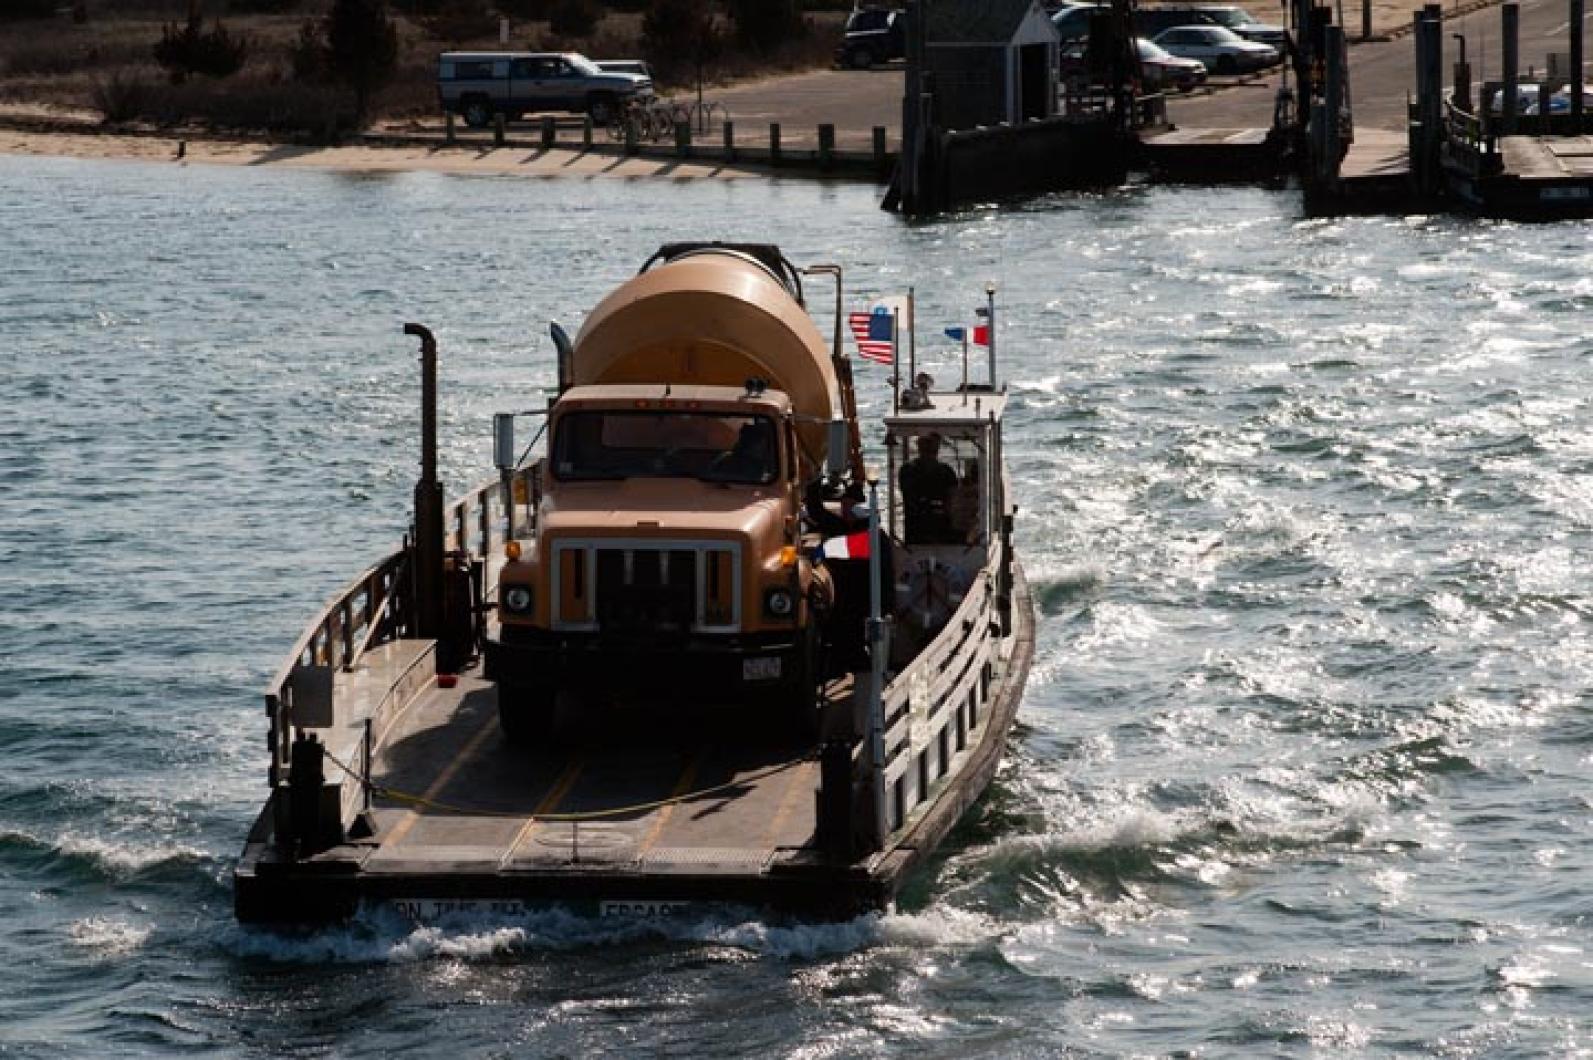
(697, 408)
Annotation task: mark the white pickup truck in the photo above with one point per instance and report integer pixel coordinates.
(479, 85)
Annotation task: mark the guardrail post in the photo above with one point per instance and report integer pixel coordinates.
(880, 160)
(774, 143)
(683, 138)
(730, 140)
(497, 129)
(826, 146)
(550, 131)
(586, 133)
(448, 128)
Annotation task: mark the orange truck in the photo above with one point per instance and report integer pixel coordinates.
(665, 557)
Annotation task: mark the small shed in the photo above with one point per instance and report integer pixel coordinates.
(991, 61)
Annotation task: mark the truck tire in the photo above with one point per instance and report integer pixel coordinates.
(602, 108)
(526, 714)
(477, 113)
(862, 59)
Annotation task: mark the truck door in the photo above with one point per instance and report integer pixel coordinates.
(522, 79)
(542, 91)
(564, 86)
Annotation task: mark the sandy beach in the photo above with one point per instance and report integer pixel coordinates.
(485, 160)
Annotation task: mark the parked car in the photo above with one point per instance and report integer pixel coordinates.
(1527, 99)
(1162, 70)
(1072, 21)
(873, 35)
(1220, 48)
(625, 66)
(1159, 71)
(479, 85)
(1151, 21)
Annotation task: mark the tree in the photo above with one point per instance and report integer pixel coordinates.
(573, 18)
(361, 48)
(680, 34)
(763, 25)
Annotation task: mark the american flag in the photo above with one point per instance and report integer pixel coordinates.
(873, 331)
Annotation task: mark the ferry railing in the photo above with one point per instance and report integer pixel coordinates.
(372, 610)
(1468, 141)
(935, 706)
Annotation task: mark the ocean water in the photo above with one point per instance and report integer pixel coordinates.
(1303, 764)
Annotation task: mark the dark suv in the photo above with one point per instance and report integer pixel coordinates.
(873, 35)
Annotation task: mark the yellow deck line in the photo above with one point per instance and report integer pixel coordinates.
(561, 787)
(401, 829)
(688, 777)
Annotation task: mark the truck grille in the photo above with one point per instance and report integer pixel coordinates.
(636, 588)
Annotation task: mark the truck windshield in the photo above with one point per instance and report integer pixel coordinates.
(713, 447)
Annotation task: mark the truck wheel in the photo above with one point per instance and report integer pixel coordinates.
(602, 109)
(862, 59)
(478, 115)
(526, 713)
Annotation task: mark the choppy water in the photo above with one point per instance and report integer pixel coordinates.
(1303, 764)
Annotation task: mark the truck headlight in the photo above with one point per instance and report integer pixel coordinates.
(779, 603)
(517, 598)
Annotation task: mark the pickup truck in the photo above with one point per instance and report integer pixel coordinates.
(479, 85)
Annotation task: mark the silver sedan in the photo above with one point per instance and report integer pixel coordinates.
(1221, 49)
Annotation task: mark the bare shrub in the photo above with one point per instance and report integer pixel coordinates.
(317, 113)
(193, 50)
(122, 95)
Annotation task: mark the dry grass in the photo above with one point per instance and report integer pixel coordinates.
(106, 64)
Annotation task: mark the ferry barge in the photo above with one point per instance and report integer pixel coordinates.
(671, 659)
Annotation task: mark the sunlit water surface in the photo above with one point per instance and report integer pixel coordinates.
(1302, 768)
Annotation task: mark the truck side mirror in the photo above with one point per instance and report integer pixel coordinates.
(840, 441)
(566, 352)
(503, 440)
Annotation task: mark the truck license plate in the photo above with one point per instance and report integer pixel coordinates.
(761, 668)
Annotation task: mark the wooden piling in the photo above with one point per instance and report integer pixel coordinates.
(826, 146)
(774, 143)
(881, 159)
(683, 139)
(550, 131)
(497, 129)
(730, 140)
(1577, 11)
(1510, 35)
(448, 128)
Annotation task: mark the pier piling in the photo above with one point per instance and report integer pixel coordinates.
(1510, 37)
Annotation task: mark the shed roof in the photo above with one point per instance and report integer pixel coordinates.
(975, 21)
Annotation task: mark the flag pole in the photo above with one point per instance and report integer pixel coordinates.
(896, 361)
(912, 341)
(964, 331)
(990, 310)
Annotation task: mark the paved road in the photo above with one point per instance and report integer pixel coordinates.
(1382, 73)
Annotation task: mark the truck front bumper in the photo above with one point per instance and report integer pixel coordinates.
(672, 667)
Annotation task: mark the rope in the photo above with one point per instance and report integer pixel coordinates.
(589, 815)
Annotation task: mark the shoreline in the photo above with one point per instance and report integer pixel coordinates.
(57, 139)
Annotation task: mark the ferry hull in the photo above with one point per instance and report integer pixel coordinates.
(462, 822)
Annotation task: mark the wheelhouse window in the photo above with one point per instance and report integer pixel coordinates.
(710, 447)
